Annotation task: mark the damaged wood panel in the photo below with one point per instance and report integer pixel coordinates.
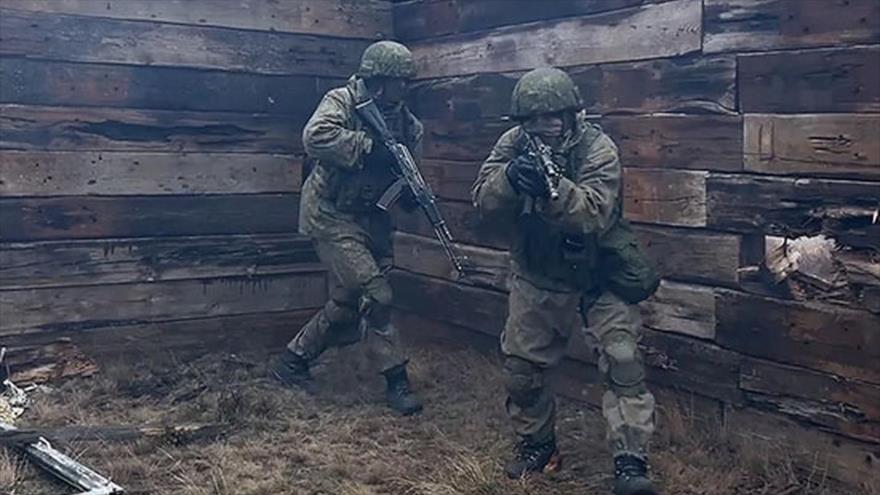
(686, 84)
(125, 304)
(359, 19)
(819, 336)
(57, 360)
(74, 173)
(423, 19)
(681, 308)
(844, 145)
(848, 407)
(696, 256)
(667, 197)
(661, 30)
(863, 273)
(187, 337)
(675, 141)
(84, 217)
(89, 39)
(41, 128)
(834, 80)
(688, 364)
(840, 458)
(426, 256)
(106, 261)
(42, 82)
(749, 25)
(795, 206)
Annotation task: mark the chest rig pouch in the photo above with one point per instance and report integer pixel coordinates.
(358, 191)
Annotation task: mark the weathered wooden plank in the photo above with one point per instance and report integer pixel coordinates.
(450, 179)
(675, 141)
(417, 20)
(124, 304)
(819, 336)
(749, 25)
(863, 273)
(823, 454)
(179, 434)
(425, 256)
(43, 82)
(108, 261)
(463, 220)
(89, 39)
(52, 361)
(84, 217)
(662, 30)
(684, 84)
(830, 144)
(462, 140)
(42, 128)
(47, 173)
(182, 337)
(834, 80)
(360, 19)
(435, 299)
(794, 206)
(848, 407)
(667, 197)
(687, 364)
(681, 308)
(695, 256)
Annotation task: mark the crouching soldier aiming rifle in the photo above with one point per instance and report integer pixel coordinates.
(352, 235)
(554, 182)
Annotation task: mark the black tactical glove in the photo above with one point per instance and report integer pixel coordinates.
(525, 177)
(379, 156)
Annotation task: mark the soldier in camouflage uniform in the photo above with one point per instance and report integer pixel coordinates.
(573, 255)
(351, 235)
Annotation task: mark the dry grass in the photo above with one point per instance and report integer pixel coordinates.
(345, 442)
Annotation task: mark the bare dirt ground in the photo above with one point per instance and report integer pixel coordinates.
(344, 442)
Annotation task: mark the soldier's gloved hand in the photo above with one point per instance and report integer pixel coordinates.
(379, 156)
(526, 178)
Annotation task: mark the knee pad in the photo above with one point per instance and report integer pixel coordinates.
(375, 303)
(340, 313)
(626, 370)
(524, 381)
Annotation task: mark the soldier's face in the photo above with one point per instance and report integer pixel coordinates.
(546, 125)
(393, 90)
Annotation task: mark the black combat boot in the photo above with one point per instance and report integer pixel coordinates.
(398, 394)
(631, 476)
(292, 370)
(534, 458)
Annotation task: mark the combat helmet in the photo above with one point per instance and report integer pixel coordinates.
(387, 59)
(545, 90)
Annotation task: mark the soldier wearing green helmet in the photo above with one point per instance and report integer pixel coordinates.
(352, 236)
(576, 264)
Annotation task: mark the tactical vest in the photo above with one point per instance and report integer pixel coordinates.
(591, 263)
(358, 190)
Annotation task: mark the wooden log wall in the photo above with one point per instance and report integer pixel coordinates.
(735, 119)
(150, 168)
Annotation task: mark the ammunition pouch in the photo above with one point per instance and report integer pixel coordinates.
(626, 270)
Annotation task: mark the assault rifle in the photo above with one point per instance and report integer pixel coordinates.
(541, 156)
(409, 177)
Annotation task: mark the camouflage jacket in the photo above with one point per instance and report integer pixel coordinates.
(339, 195)
(575, 241)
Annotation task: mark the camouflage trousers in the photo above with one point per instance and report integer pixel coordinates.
(535, 338)
(359, 307)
